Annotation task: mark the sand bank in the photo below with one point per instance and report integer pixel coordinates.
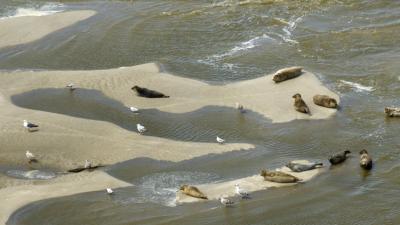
(64, 142)
(20, 30)
(252, 183)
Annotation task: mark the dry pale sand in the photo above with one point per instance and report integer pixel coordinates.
(250, 184)
(20, 30)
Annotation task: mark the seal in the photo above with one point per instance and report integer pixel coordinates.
(192, 191)
(298, 167)
(287, 73)
(365, 160)
(339, 157)
(278, 177)
(300, 105)
(147, 93)
(392, 112)
(325, 101)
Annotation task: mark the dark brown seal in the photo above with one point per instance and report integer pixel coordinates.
(192, 191)
(365, 160)
(299, 104)
(147, 93)
(392, 111)
(325, 101)
(278, 177)
(339, 157)
(80, 169)
(287, 73)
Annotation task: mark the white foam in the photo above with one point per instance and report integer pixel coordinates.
(243, 46)
(358, 87)
(47, 9)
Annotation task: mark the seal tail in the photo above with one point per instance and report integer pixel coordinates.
(166, 96)
(204, 197)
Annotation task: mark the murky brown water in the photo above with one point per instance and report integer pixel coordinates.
(351, 45)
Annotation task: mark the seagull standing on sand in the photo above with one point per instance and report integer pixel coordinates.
(71, 86)
(88, 164)
(239, 191)
(133, 109)
(239, 107)
(220, 140)
(29, 125)
(225, 201)
(30, 156)
(109, 191)
(140, 128)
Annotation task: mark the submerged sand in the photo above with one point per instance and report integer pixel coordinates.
(20, 30)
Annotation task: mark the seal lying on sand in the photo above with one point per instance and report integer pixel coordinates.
(392, 111)
(287, 73)
(325, 101)
(278, 177)
(192, 191)
(80, 169)
(339, 157)
(299, 104)
(298, 167)
(365, 160)
(147, 93)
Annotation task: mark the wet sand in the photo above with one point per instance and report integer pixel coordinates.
(21, 30)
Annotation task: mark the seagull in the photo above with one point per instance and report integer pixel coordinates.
(133, 109)
(71, 86)
(225, 201)
(241, 192)
(88, 164)
(31, 157)
(239, 107)
(29, 125)
(220, 140)
(109, 191)
(140, 128)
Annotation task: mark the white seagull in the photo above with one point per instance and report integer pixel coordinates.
(110, 191)
(225, 201)
(220, 140)
(140, 128)
(239, 191)
(71, 86)
(133, 109)
(239, 107)
(30, 156)
(88, 164)
(29, 125)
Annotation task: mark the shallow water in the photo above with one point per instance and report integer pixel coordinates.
(351, 45)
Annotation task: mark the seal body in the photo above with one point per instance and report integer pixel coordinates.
(278, 177)
(365, 160)
(147, 93)
(339, 157)
(192, 191)
(392, 111)
(286, 74)
(299, 104)
(298, 167)
(325, 101)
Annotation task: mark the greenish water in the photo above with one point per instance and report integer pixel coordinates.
(352, 46)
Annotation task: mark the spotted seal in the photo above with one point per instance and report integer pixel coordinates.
(192, 191)
(300, 105)
(278, 177)
(365, 160)
(298, 167)
(339, 157)
(325, 101)
(147, 93)
(287, 73)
